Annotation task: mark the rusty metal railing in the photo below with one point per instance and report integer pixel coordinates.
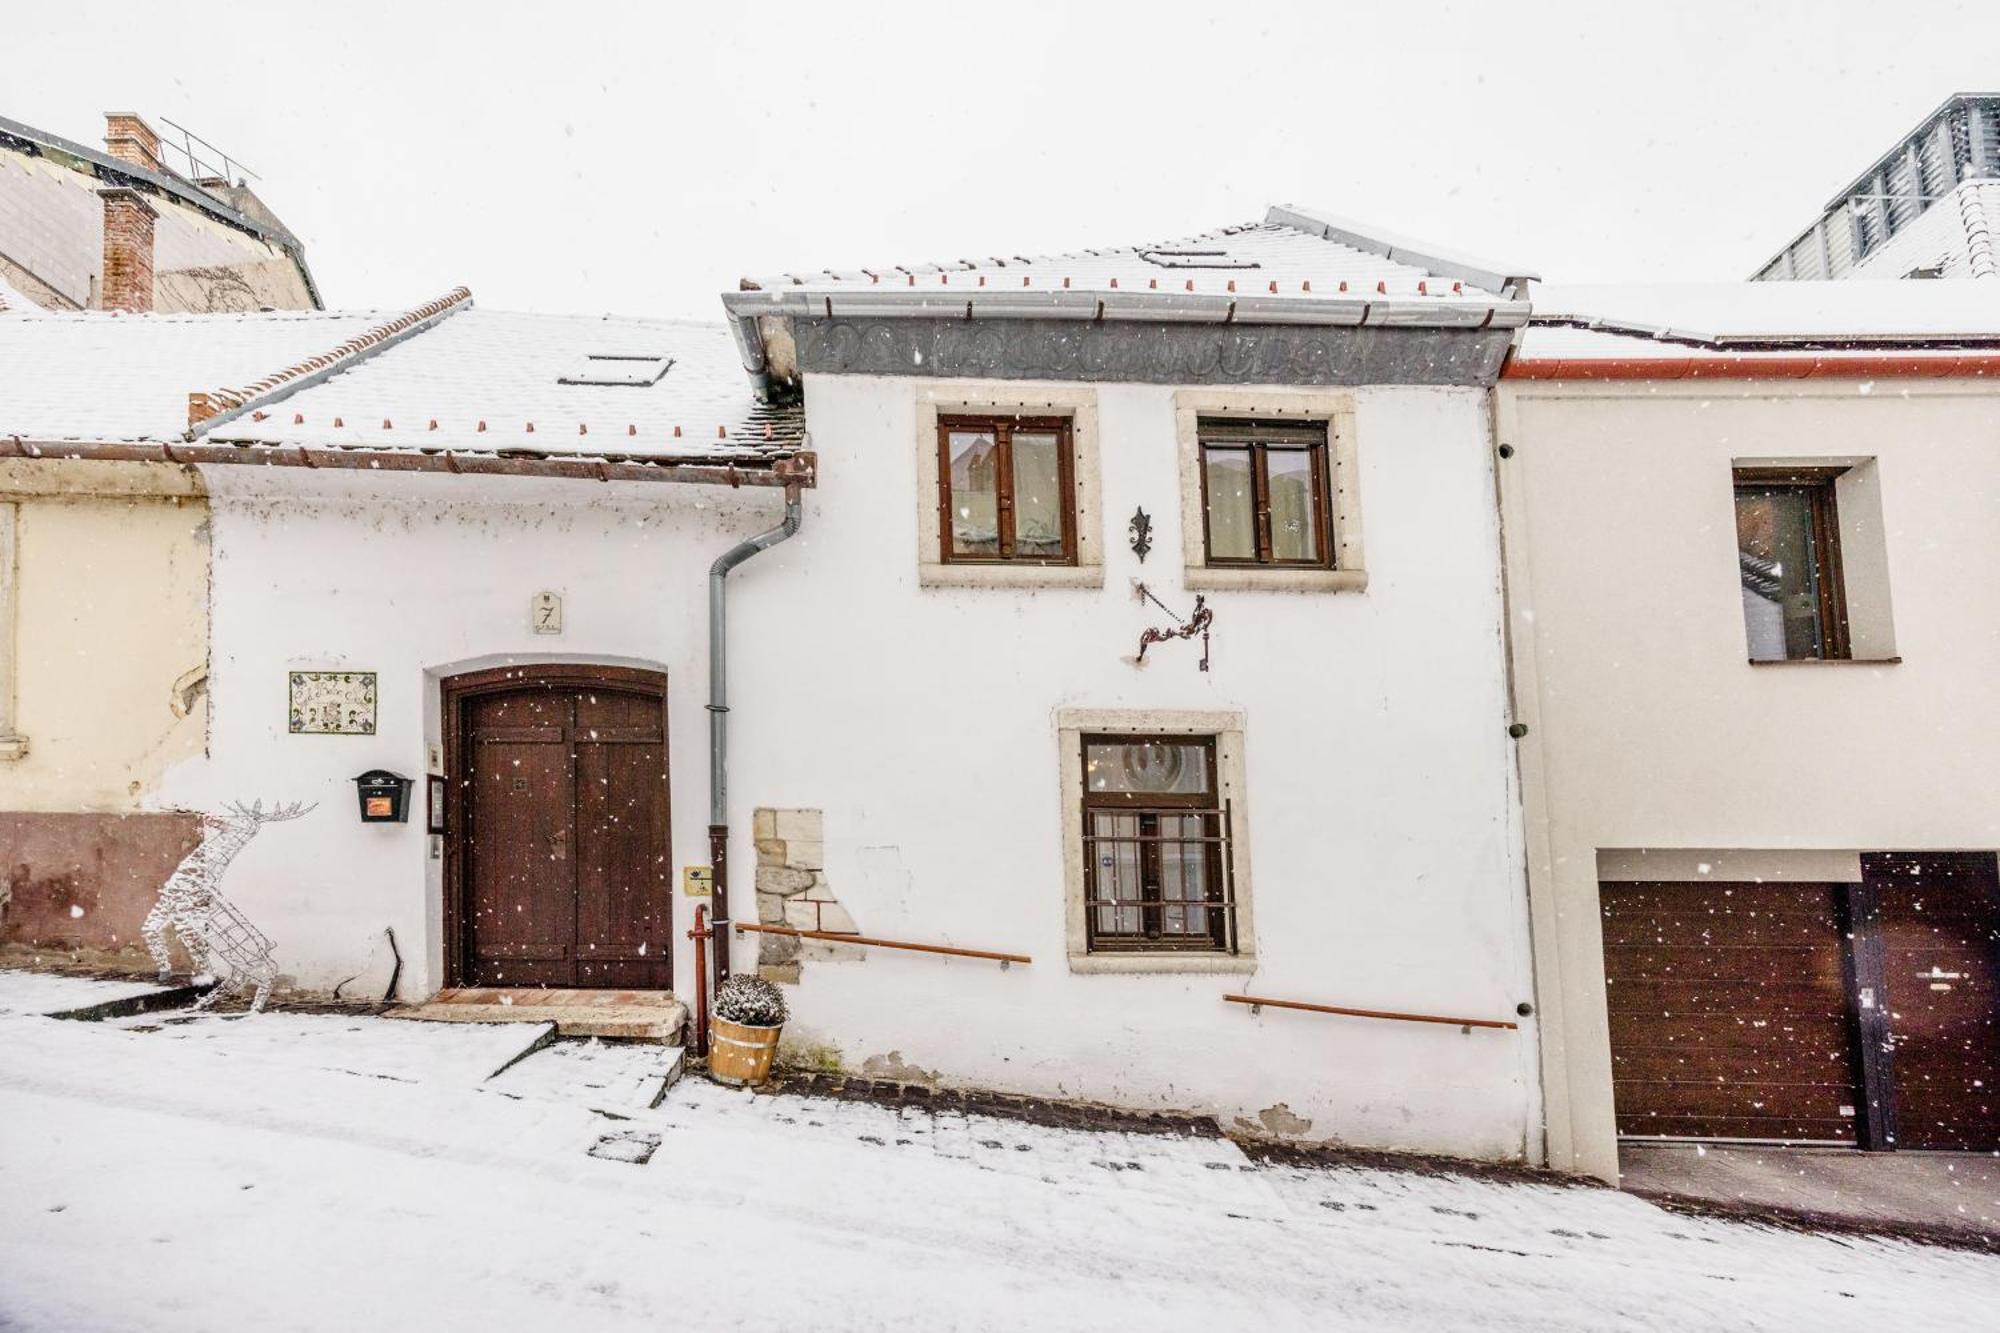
(834, 937)
(1257, 1002)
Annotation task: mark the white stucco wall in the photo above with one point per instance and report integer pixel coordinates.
(1649, 727)
(922, 722)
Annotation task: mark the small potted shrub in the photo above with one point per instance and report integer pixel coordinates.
(749, 1014)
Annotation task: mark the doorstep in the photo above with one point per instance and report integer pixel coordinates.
(632, 1015)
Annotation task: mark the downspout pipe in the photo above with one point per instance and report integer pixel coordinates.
(718, 714)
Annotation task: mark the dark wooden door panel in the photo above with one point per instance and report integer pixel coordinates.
(1728, 1011)
(562, 861)
(521, 871)
(1940, 927)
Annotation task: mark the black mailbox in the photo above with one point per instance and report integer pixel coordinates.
(385, 797)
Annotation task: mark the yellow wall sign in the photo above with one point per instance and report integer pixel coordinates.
(698, 881)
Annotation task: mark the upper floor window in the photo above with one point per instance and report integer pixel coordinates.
(1265, 494)
(1788, 549)
(1004, 490)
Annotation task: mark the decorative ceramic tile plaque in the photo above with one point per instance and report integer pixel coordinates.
(333, 703)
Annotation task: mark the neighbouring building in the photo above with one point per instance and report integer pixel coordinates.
(1751, 622)
(1927, 208)
(120, 229)
(1067, 644)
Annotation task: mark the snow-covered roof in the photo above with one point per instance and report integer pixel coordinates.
(492, 380)
(441, 377)
(1301, 256)
(103, 376)
(1836, 318)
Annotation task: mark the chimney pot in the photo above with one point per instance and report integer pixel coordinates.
(130, 139)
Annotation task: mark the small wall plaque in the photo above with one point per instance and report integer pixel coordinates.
(546, 613)
(333, 703)
(698, 881)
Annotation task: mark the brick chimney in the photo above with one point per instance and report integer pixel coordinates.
(130, 139)
(128, 250)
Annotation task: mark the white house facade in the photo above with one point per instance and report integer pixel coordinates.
(1282, 772)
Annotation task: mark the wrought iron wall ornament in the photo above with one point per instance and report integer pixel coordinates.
(1142, 534)
(1198, 623)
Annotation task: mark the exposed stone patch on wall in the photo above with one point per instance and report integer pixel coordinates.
(895, 1069)
(792, 891)
(1274, 1122)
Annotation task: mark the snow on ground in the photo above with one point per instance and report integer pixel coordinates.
(457, 1055)
(164, 1180)
(53, 993)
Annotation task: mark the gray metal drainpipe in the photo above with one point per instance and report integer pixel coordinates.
(718, 715)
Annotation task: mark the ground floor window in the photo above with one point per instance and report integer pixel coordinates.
(1155, 851)
(1156, 863)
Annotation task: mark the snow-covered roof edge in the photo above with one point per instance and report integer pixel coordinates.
(208, 410)
(1508, 279)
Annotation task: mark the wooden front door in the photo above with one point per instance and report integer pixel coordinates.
(559, 869)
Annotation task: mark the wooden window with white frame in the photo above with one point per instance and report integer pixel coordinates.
(1006, 487)
(1265, 494)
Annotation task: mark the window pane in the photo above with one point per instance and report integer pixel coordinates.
(1232, 522)
(1173, 767)
(975, 509)
(1117, 866)
(1294, 524)
(1038, 498)
(1780, 571)
(1183, 875)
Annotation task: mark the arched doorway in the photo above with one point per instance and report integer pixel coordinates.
(558, 869)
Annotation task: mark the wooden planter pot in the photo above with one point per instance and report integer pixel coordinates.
(738, 1054)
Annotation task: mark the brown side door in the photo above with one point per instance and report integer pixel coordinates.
(1728, 1011)
(1939, 918)
(559, 869)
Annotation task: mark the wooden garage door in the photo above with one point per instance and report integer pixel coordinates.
(1939, 917)
(1728, 1011)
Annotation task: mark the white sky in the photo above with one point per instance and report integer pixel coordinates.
(640, 158)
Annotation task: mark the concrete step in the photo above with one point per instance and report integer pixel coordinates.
(651, 1016)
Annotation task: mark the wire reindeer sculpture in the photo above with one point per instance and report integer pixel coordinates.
(209, 926)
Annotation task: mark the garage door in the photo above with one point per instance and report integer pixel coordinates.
(1728, 1009)
(1939, 919)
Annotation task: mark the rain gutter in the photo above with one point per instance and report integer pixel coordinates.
(718, 715)
(788, 470)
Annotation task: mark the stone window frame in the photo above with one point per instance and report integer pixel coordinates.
(13, 745)
(1334, 408)
(974, 398)
(1227, 729)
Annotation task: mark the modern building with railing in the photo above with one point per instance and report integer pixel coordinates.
(1927, 208)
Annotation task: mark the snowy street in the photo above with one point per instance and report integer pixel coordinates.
(306, 1171)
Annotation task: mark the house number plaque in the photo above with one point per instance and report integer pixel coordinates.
(545, 613)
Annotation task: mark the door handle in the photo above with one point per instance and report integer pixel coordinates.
(559, 845)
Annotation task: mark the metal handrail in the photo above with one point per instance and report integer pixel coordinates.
(1004, 959)
(1257, 1002)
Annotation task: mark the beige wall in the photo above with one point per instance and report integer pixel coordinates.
(110, 611)
(1649, 729)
